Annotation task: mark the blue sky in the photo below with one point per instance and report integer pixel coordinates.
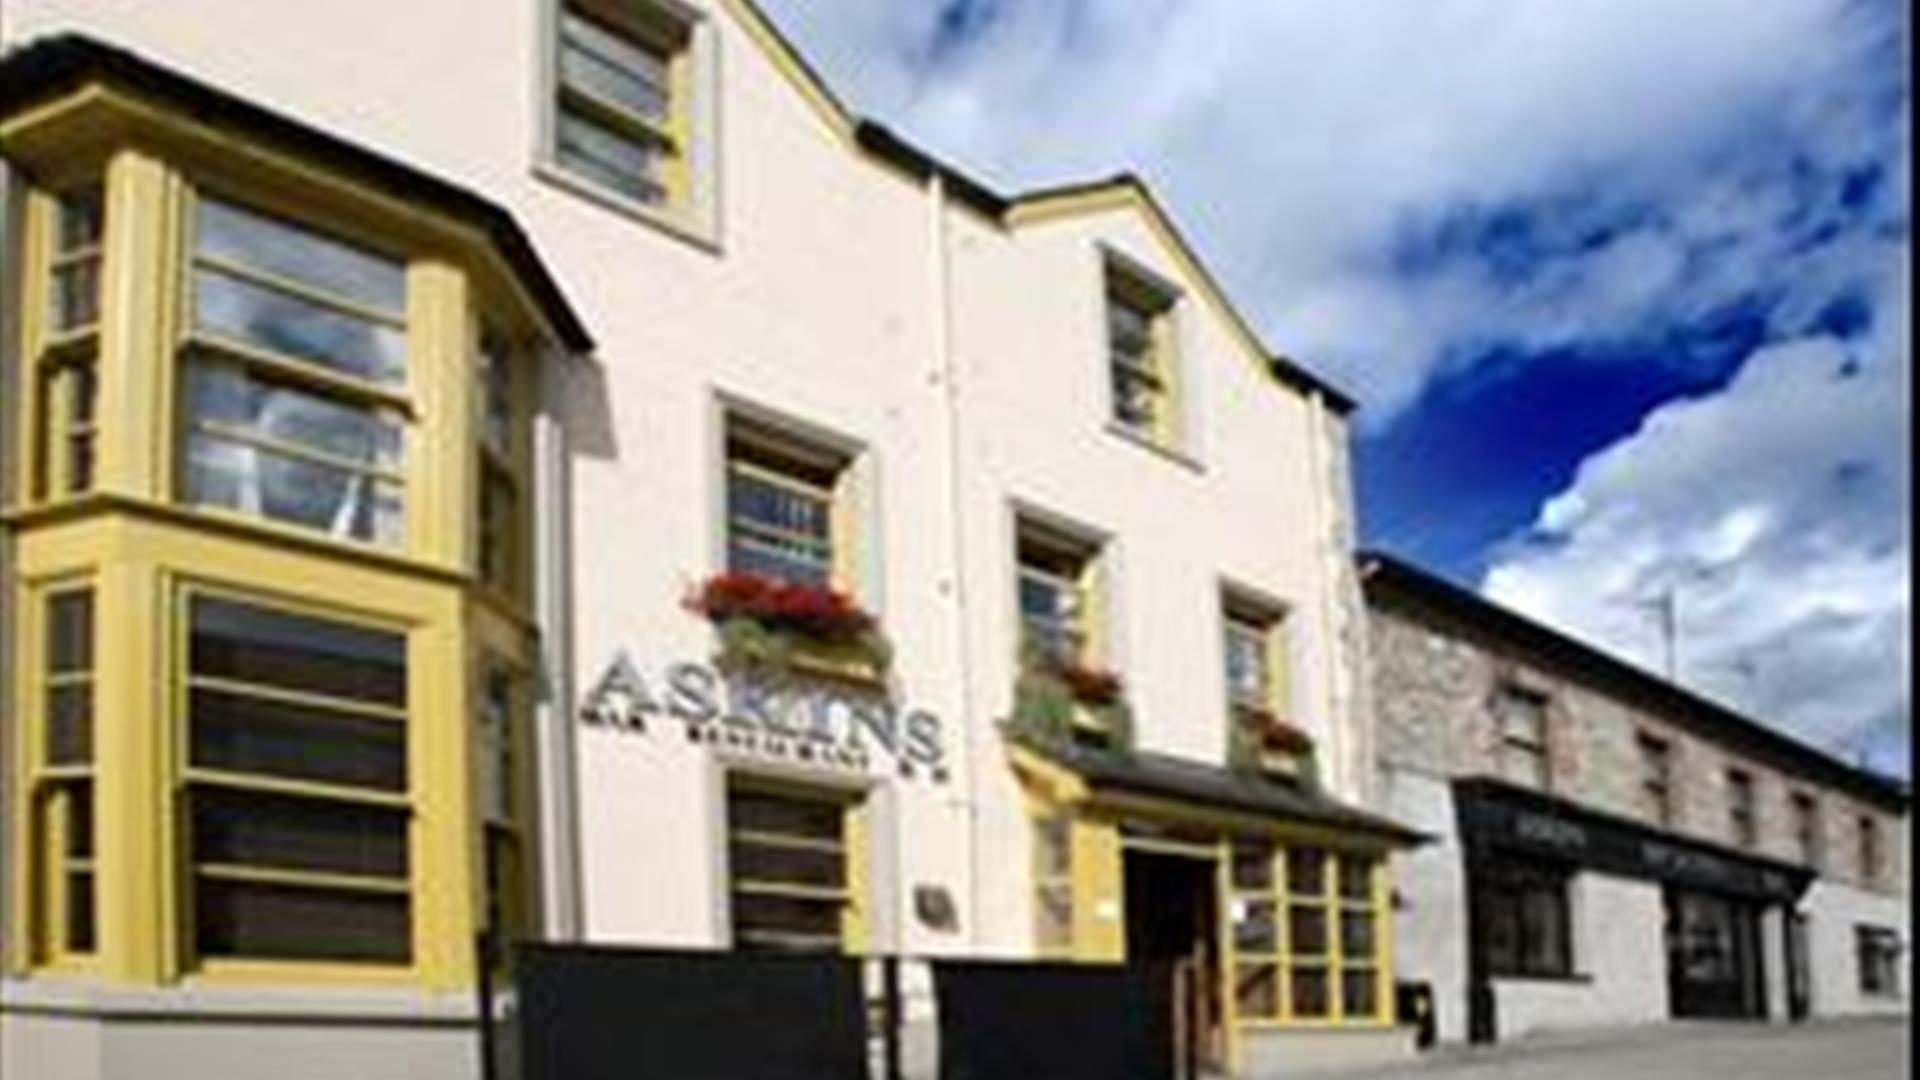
(1621, 284)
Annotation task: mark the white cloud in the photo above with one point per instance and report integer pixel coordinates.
(1777, 510)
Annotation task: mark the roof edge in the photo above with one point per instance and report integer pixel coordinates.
(1383, 570)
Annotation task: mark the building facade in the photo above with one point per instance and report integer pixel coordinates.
(808, 548)
(1612, 849)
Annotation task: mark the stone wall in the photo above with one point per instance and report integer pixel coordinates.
(1435, 680)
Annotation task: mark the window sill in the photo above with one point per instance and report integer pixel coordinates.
(1173, 454)
(675, 223)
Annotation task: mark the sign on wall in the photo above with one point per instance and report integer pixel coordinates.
(804, 721)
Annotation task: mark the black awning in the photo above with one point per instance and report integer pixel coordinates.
(1212, 787)
(1498, 819)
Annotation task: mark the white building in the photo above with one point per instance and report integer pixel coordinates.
(1051, 557)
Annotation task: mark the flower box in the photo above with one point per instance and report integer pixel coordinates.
(1071, 702)
(1263, 742)
(792, 627)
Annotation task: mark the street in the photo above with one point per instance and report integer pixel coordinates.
(1843, 1051)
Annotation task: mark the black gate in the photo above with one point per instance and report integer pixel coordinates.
(591, 1013)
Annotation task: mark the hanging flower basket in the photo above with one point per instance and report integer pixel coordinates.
(1263, 742)
(1067, 702)
(769, 623)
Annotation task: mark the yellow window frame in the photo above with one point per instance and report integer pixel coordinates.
(52, 788)
(1156, 305)
(1334, 963)
(59, 360)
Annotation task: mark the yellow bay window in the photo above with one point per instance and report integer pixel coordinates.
(1309, 935)
(63, 793)
(67, 375)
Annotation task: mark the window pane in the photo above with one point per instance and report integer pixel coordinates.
(757, 918)
(1359, 993)
(289, 923)
(1256, 928)
(1307, 871)
(1543, 930)
(788, 865)
(225, 394)
(70, 631)
(78, 798)
(80, 907)
(1252, 867)
(1356, 878)
(1310, 992)
(619, 69)
(1246, 652)
(1307, 930)
(1053, 837)
(76, 294)
(628, 165)
(252, 644)
(283, 323)
(298, 254)
(82, 220)
(287, 833)
(496, 381)
(779, 508)
(339, 502)
(1356, 934)
(1257, 991)
(269, 738)
(765, 813)
(70, 724)
(1136, 397)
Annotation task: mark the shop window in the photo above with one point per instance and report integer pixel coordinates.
(1308, 934)
(1053, 883)
(621, 116)
(1656, 778)
(63, 772)
(787, 507)
(1741, 818)
(498, 515)
(1806, 828)
(1877, 953)
(295, 380)
(1142, 344)
(67, 369)
(297, 790)
(1525, 921)
(1524, 734)
(792, 860)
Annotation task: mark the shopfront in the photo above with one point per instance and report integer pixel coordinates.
(1570, 910)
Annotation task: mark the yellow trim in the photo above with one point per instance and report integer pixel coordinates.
(789, 64)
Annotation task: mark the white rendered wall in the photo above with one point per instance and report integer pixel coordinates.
(1430, 924)
(1619, 954)
(1832, 911)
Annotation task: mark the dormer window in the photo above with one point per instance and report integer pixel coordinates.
(1141, 351)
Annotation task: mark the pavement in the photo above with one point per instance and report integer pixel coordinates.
(1851, 1050)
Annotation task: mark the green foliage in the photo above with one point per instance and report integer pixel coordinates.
(1045, 708)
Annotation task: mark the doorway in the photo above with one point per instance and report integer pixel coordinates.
(1714, 957)
(1173, 913)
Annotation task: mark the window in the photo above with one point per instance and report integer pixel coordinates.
(1308, 934)
(1656, 778)
(1058, 590)
(1256, 661)
(786, 503)
(1524, 920)
(1740, 808)
(1053, 883)
(295, 384)
(1141, 354)
(1806, 828)
(67, 373)
(63, 792)
(297, 789)
(500, 818)
(1871, 857)
(790, 856)
(621, 117)
(498, 515)
(1877, 952)
(1522, 717)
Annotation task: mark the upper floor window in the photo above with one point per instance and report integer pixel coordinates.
(1141, 351)
(66, 372)
(1741, 814)
(1522, 718)
(1656, 778)
(786, 507)
(295, 385)
(1871, 857)
(499, 512)
(1057, 596)
(1806, 828)
(621, 118)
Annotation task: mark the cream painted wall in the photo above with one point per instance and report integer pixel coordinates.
(964, 361)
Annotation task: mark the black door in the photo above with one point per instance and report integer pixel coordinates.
(1172, 906)
(1799, 976)
(1713, 957)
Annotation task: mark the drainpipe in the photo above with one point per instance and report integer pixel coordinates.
(553, 608)
(1328, 635)
(946, 377)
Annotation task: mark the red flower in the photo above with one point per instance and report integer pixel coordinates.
(1092, 686)
(812, 611)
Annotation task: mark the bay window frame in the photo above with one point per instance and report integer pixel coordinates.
(1281, 897)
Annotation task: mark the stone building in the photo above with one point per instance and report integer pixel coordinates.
(1612, 848)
